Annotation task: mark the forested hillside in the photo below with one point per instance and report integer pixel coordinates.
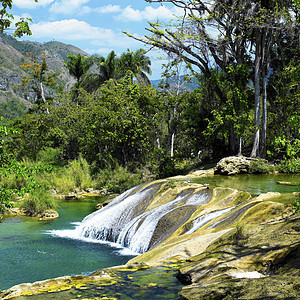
(14, 100)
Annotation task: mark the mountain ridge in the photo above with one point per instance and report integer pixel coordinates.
(13, 101)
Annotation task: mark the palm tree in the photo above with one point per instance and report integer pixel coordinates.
(107, 69)
(78, 65)
(138, 63)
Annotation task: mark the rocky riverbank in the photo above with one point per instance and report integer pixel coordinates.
(251, 250)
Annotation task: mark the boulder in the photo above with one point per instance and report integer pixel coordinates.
(233, 165)
(49, 214)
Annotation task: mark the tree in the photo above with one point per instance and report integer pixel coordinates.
(107, 68)
(36, 67)
(138, 63)
(239, 27)
(78, 66)
(22, 26)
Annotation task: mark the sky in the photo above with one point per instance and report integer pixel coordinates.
(95, 26)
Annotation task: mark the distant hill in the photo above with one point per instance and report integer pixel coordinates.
(14, 102)
(184, 86)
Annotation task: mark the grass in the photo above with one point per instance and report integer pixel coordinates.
(37, 202)
(75, 176)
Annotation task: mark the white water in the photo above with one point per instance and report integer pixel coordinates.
(202, 220)
(125, 223)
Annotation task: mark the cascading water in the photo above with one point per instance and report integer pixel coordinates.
(202, 220)
(129, 222)
(126, 222)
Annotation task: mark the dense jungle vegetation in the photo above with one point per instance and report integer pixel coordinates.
(113, 129)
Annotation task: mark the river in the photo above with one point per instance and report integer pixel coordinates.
(29, 252)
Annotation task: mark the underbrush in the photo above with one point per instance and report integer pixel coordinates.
(260, 166)
(75, 176)
(290, 166)
(119, 179)
(37, 202)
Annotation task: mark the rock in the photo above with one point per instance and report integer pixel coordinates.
(53, 192)
(286, 183)
(71, 196)
(103, 204)
(185, 279)
(233, 165)
(49, 214)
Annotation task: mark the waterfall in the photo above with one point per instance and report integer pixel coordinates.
(140, 219)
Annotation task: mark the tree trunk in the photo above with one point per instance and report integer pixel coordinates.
(240, 147)
(233, 140)
(263, 150)
(258, 53)
(44, 99)
(172, 144)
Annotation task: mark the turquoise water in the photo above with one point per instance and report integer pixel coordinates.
(28, 253)
(255, 184)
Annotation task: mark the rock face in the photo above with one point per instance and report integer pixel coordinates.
(12, 56)
(233, 165)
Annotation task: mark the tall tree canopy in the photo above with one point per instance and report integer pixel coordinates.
(217, 35)
(138, 63)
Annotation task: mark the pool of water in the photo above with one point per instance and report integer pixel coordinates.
(254, 184)
(29, 253)
(158, 283)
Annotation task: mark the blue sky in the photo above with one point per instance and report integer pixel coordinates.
(95, 26)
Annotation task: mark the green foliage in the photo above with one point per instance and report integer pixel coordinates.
(260, 166)
(73, 177)
(5, 199)
(50, 156)
(22, 26)
(19, 179)
(296, 203)
(118, 180)
(37, 202)
(12, 109)
(166, 167)
(289, 166)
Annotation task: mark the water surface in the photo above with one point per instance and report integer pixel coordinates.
(254, 184)
(28, 253)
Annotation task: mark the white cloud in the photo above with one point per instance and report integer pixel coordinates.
(29, 4)
(130, 14)
(149, 13)
(67, 7)
(70, 30)
(108, 9)
(101, 51)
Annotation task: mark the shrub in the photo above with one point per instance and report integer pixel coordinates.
(74, 176)
(296, 204)
(289, 166)
(166, 167)
(260, 166)
(118, 180)
(37, 202)
(239, 237)
(51, 156)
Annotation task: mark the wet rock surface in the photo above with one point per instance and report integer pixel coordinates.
(251, 251)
